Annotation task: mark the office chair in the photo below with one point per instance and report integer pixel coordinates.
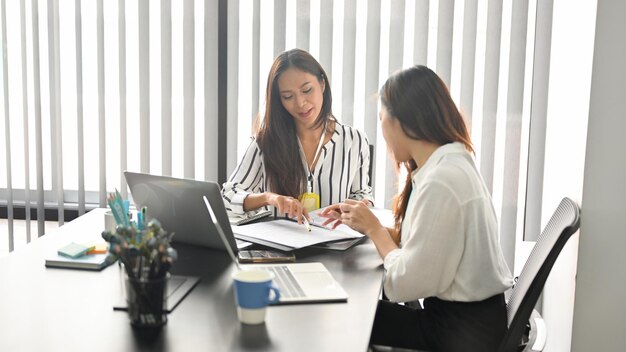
(529, 284)
(371, 165)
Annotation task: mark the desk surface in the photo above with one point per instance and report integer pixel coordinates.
(71, 310)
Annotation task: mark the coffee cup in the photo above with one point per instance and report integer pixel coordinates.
(109, 221)
(253, 293)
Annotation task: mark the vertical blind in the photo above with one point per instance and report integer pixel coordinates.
(96, 88)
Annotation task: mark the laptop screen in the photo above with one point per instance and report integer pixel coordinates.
(177, 204)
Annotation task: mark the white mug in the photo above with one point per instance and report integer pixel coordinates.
(109, 221)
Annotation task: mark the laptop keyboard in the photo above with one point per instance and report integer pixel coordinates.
(286, 282)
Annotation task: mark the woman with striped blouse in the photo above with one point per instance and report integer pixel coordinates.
(300, 150)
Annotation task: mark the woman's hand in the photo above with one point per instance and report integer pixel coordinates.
(359, 217)
(288, 206)
(353, 213)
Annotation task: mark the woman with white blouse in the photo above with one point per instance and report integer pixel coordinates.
(301, 158)
(445, 246)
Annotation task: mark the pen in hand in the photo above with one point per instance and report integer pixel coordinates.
(306, 223)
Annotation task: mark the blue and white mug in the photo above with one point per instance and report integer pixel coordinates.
(253, 293)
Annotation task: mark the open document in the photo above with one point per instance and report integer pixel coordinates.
(385, 216)
(288, 235)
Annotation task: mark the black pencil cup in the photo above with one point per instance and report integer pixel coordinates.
(146, 300)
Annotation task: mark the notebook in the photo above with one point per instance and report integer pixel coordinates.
(298, 282)
(85, 262)
(242, 220)
(177, 204)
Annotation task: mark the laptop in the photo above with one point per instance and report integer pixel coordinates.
(177, 204)
(298, 282)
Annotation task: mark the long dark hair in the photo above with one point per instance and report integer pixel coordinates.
(421, 102)
(276, 134)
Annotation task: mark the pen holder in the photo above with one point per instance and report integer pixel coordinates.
(147, 301)
(144, 251)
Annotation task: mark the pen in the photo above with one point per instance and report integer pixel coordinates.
(140, 221)
(143, 215)
(306, 223)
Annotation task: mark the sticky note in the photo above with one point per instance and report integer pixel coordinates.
(73, 250)
(98, 248)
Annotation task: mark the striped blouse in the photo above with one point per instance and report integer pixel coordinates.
(341, 172)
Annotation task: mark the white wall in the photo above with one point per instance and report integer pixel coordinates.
(573, 29)
(600, 306)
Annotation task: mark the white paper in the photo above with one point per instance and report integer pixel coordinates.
(385, 216)
(292, 234)
(289, 233)
(317, 221)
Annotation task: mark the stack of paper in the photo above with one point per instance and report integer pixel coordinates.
(290, 234)
(87, 262)
(80, 256)
(244, 219)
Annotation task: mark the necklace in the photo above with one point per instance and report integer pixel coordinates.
(309, 170)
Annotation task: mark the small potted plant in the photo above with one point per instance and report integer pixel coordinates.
(144, 250)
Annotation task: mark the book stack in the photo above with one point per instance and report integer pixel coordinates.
(79, 256)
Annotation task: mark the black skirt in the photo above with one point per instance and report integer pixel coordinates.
(442, 325)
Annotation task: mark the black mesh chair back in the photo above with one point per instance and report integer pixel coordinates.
(564, 223)
(370, 171)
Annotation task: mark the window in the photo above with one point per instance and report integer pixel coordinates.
(94, 88)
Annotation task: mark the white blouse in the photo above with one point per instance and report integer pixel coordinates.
(341, 172)
(450, 247)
